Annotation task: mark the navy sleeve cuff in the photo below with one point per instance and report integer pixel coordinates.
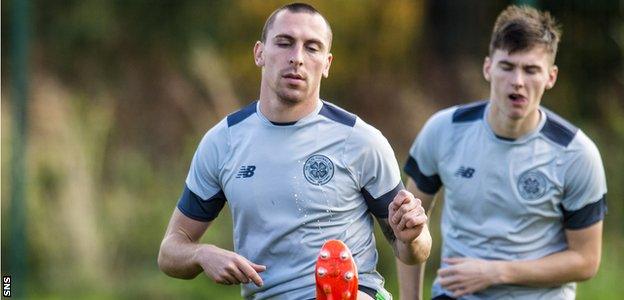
(427, 184)
(588, 215)
(194, 207)
(379, 206)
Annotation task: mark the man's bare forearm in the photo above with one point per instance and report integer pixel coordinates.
(552, 270)
(177, 256)
(578, 263)
(410, 280)
(465, 275)
(180, 248)
(416, 252)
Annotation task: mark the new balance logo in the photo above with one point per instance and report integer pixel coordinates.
(465, 172)
(246, 171)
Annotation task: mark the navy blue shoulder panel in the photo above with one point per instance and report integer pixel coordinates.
(558, 129)
(589, 215)
(428, 184)
(242, 114)
(379, 207)
(469, 112)
(338, 114)
(196, 208)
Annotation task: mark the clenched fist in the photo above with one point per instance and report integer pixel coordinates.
(406, 216)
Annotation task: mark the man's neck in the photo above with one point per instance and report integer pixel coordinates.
(506, 127)
(281, 111)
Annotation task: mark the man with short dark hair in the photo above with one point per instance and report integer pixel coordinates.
(524, 190)
(295, 171)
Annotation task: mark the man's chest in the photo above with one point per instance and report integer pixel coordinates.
(304, 178)
(485, 179)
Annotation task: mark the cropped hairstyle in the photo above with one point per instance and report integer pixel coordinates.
(294, 8)
(520, 28)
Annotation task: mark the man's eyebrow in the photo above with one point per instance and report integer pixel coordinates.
(511, 64)
(283, 36)
(532, 67)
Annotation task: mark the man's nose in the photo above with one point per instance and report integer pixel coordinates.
(296, 57)
(517, 79)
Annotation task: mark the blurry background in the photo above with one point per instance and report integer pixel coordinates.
(119, 93)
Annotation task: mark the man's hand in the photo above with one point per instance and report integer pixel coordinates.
(227, 267)
(468, 275)
(407, 216)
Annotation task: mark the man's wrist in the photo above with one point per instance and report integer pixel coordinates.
(200, 251)
(415, 251)
(502, 272)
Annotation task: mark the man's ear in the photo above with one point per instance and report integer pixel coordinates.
(330, 58)
(258, 52)
(487, 66)
(552, 77)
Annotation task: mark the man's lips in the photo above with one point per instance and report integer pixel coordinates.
(517, 98)
(294, 79)
(293, 76)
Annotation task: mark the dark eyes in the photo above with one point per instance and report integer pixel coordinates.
(310, 47)
(531, 70)
(506, 67)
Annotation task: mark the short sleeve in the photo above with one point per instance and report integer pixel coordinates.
(422, 162)
(203, 197)
(585, 189)
(375, 167)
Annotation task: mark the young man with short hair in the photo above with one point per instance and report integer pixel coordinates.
(295, 171)
(524, 190)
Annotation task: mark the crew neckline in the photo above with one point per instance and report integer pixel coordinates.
(303, 120)
(520, 139)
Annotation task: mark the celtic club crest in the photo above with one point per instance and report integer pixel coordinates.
(318, 169)
(532, 185)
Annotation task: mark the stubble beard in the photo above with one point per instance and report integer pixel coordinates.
(288, 98)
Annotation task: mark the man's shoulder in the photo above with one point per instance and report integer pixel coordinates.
(447, 119)
(469, 112)
(242, 114)
(557, 129)
(220, 133)
(568, 137)
(358, 132)
(338, 114)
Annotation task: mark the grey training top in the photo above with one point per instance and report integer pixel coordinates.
(508, 199)
(290, 187)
